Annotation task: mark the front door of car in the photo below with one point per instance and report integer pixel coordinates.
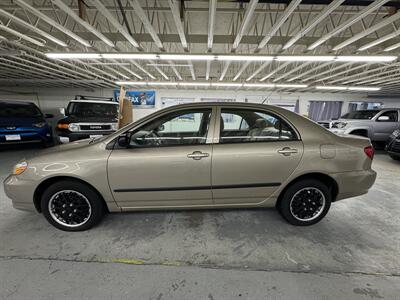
(167, 162)
(256, 153)
(385, 124)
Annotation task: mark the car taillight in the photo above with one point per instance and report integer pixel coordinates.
(369, 151)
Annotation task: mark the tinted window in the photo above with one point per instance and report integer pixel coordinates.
(19, 111)
(260, 127)
(360, 114)
(187, 127)
(92, 109)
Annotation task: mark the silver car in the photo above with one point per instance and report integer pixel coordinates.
(376, 124)
(197, 156)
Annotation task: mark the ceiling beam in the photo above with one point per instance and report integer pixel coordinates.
(211, 23)
(31, 27)
(314, 22)
(138, 10)
(117, 25)
(282, 19)
(385, 22)
(366, 11)
(30, 9)
(245, 23)
(81, 22)
(178, 23)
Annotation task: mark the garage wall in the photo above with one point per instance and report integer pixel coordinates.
(51, 99)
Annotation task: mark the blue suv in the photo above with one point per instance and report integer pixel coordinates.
(23, 122)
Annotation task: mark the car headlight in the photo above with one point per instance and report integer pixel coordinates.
(20, 167)
(73, 127)
(114, 126)
(40, 124)
(339, 125)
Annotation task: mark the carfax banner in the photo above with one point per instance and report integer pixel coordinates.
(139, 99)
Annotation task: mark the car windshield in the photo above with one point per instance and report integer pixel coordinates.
(92, 109)
(360, 115)
(8, 110)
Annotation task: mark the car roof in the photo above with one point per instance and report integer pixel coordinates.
(95, 101)
(16, 102)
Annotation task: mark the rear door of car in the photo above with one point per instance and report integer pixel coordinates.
(249, 163)
(168, 167)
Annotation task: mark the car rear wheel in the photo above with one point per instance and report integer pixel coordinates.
(72, 206)
(305, 202)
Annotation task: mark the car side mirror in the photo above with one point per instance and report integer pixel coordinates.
(123, 140)
(62, 111)
(48, 116)
(383, 119)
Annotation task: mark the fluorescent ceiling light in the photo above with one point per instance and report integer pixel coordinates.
(325, 87)
(305, 58)
(291, 85)
(216, 57)
(377, 58)
(226, 84)
(142, 56)
(347, 88)
(259, 85)
(194, 84)
(212, 84)
(244, 58)
(73, 55)
(379, 41)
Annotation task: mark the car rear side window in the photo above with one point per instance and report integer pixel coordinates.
(260, 127)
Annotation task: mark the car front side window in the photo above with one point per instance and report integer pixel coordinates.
(188, 127)
(261, 127)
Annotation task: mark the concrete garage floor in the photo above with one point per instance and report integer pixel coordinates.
(354, 253)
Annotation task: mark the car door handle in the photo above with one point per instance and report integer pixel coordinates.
(286, 151)
(197, 155)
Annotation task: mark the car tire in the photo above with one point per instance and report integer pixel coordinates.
(394, 157)
(305, 202)
(72, 206)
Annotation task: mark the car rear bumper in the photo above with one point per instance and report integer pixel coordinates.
(20, 192)
(355, 183)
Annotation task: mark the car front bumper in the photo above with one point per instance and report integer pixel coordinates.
(20, 192)
(355, 183)
(66, 137)
(26, 136)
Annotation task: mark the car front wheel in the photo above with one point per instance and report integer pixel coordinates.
(305, 202)
(72, 206)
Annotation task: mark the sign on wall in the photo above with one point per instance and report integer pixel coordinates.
(139, 99)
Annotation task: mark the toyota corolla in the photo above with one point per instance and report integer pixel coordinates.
(197, 156)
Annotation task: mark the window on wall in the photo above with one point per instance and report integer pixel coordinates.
(324, 110)
(244, 125)
(171, 101)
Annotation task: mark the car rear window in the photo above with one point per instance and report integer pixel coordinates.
(8, 110)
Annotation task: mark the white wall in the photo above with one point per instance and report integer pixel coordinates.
(51, 99)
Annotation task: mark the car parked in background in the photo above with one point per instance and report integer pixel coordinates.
(88, 117)
(23, 122)
(196, 156)
(376, 124)
(393, 145)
